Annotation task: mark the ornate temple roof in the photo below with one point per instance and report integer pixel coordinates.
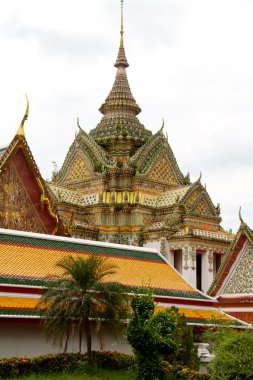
(20, 176)
(28, 259)
(28, 263)
(27, 307)
(235, 273)
(120, 109)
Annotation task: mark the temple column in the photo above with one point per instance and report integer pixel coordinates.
(207, 269)
(189, 264)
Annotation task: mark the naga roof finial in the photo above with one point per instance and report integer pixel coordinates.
(240, 216)
(200, 176)
(21, 132)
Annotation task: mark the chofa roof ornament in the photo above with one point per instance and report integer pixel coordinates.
(21, 131)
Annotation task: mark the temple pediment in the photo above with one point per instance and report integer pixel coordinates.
(25, 203)
(156, 161)
(197, 201)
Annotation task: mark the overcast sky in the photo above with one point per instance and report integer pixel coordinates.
(191, 63)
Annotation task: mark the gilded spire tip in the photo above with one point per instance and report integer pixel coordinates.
(122, 24)
(121, 58)
(21, 127)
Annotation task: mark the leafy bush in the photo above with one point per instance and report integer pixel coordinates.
(150, 337)
(186, 354)
(233, 356)
(179, 372)
(47, 364)
(113, 360)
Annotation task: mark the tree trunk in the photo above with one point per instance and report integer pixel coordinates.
(66, 342)
(80, 339)
(87, 330)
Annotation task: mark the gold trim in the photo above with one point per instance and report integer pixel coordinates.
(21, 132)
(45, 201)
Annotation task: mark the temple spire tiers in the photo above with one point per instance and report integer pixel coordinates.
(119, 131)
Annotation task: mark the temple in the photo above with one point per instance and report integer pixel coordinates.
(119, 183)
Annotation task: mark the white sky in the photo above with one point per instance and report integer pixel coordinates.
(190, 63)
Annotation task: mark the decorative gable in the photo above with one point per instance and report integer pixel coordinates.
(80, 168)
(161, 171)
(17, 211)
(240, 279)
(192, 198)
(203, 207)
(156, 161)
(198, 201)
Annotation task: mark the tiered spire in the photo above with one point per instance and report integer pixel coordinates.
(121, 58)
(120, 108)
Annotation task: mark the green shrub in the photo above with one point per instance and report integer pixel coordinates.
(47, 364)
(150, 337)
(186, 354)
(233, 357)
(113, 360)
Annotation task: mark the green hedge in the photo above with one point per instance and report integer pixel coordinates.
(47, 364)
(16, 367)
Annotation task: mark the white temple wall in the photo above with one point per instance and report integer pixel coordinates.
(26, 339)
(153, 244)
(207, 270)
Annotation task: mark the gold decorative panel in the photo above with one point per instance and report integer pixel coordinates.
(16, 209)
(191, 199)
(78, 170)
(202, 208)
(162, 172)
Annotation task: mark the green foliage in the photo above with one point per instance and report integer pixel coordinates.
(233, 356)
(80, 294)
(186, 354)
(48, 364)
(150, 337)
(177, 371)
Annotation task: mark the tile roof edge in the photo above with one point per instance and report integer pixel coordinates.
(249, 325)
(21, 286)
(14, 316)
(75, 240)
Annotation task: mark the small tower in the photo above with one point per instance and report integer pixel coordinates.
(119, 131)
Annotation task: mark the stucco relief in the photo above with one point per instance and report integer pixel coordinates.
(16, 210)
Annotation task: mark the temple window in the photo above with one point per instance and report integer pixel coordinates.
(178, 260)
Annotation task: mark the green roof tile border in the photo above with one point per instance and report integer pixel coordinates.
(77, 247)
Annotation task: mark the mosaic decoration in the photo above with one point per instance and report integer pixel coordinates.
(78, 170)
(241, 278)
(161, 171)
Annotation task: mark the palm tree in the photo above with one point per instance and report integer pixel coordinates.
(80, 296)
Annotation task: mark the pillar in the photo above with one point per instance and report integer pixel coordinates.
(207, 269)
(189, 264)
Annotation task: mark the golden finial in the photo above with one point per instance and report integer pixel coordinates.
(121, 26)
(21, 132)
